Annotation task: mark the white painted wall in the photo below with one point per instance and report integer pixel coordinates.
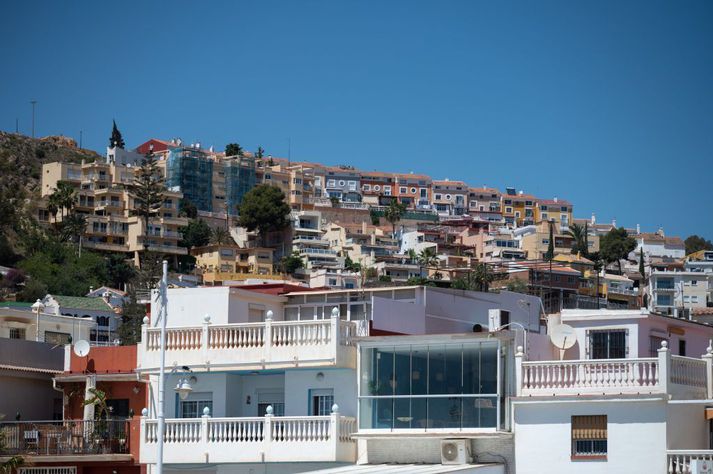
(398, 316)
(299, 382)
(636, 437)
(687, 427)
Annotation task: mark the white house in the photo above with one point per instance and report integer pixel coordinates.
(262, 389)
(100, 310)
(18, 322)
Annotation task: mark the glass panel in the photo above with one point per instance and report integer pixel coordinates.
(419, 371)
(444, 412)
(384, 382)
(402, 370)
(480, 412)
(402, 413)
(489, 368)
(471, 369)
(368, 376)
(436, 368)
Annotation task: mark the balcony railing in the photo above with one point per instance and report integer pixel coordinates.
(679, 460)
(69, 437)
(681, 377)
(258, 439)
(254, 346)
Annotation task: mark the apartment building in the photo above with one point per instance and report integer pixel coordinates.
(343, 183)
(496, 246)
(518, 208)
(309, 242)
(535, 240)
(678, 292)
(656, 244)
(557, 210)
(19, 321)
(221, 263)
(414, 190)
(363, 244)
(484, 205)
(106, 203)
(377, 188)
(449, 197)
(641, 414)
(213, 183)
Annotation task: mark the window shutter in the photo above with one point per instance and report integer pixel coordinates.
(589, 427)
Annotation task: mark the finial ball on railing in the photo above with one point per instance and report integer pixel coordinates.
(269, 315)
(146, 320)
(269, 410)
(145, 412)
(335, 408)
(335, 312)
(664, 344)
(206, 411)
(709, 349)
(206, 318)
(519, 350)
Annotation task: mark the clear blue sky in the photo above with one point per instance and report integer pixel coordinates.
(607, 104)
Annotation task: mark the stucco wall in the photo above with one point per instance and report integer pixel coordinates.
(636, 437)
(299, 382)
(31, 395)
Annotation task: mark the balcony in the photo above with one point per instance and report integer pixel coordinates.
(252, 440)
(679, 461)
(678, 376)
(105, 246)
(253, 346)
(321, 252)
(42, 440)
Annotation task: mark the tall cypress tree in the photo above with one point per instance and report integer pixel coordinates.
(641, 264)
(116, 139)
(551, 246)
(147, 188)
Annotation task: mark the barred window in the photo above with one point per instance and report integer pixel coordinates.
(589, 436)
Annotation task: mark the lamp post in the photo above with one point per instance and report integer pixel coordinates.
(524, 332)
(163, 294)
(38, 307)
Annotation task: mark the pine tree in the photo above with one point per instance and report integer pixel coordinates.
(147, 188)
(641, 263)
(116, 138)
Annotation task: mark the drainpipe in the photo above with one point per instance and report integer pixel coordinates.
(54, 387)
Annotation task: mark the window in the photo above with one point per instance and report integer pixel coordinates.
(352, 185)
(508, 209)
(543, 208)
(544, 216)
(608, 344)
(424, 192)
(367, 187)
(321, 402)
(17, 333)
(681, 347)
(331, 183)
(563, 209)
(437, 197)
(589, 436)
(256, 313)
(402, 190)
(119, 407)
(193, 406)
(413, 190)
(387, 190)
(103, 321)
(57, 338)
(663, 300)
(655, 345)
(274, 398)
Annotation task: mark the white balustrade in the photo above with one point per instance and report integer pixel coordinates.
(688, 371)
(679, 461)
(247, 345)
(235, 336)
(257, 439)
(593, 376)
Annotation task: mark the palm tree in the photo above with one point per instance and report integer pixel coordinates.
(73, 227)
(482, 277)
(428, 258)
(412, 256)
(579, 233)
(394, 213)
(220, 236)
(61, 199)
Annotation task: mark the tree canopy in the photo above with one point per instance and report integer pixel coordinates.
(694, 243)
(116, 139)
(394, 213)
(196, 234)
(292, 263)
(233, 149)
(550, 254)
(616, 245)
(264, 209)
(581, 238)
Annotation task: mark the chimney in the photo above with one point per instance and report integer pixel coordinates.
(613, 222)
(594, 219)
(660, 232)
(521, 192)
(638, 229)
(555, 199)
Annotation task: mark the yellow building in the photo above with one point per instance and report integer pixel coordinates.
(222, 262)
(103, 199)
(518, 208)
(537, 243)
(555, 209)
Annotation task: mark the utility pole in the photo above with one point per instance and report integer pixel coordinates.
(33, 102)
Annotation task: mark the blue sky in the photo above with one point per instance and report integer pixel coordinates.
(607, 104)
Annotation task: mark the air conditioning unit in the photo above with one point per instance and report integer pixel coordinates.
(456, 451)
(701, 466)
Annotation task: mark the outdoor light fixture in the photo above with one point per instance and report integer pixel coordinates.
(38, 307)
(183, 388)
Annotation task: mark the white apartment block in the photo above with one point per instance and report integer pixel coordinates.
(671, 292)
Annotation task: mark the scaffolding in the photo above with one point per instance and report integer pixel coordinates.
(191, 172)
(239, 179)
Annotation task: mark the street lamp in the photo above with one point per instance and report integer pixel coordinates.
(38, 307)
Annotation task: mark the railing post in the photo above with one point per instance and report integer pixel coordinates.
(205, 336)
(334, 430)
(664, 366)
(519, 354)
(204, 432)
(267, 435)
(142, 426)
(334, 328)
(708, 357)
(144, 333)
(267, 343)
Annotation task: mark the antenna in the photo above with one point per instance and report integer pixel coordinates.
(289, 150)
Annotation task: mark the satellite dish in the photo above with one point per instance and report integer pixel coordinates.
(81, 348)
(563, 336)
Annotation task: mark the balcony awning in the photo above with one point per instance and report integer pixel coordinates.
(589, 427)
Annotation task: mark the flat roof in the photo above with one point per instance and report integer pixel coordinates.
(402, 468)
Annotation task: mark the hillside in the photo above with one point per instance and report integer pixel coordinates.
(21, 160)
